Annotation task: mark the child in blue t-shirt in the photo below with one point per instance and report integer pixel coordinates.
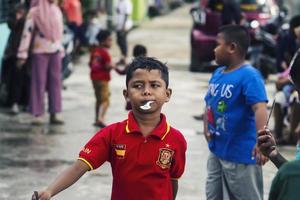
(235, 109)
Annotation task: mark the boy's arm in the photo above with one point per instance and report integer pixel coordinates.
(205, 126)
(260, 111)
(64, 180)
(175, 187)
(110, 66)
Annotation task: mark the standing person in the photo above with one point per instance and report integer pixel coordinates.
(123, 25)
(15, 77)
(73, 13)
(235, 109)
(101, 65)
(46, 33)
(72, 9)
(146, 154)
(93, 28)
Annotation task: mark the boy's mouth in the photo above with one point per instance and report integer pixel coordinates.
(147, 105)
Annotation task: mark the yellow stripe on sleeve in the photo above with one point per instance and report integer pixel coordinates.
(127, 128)
(86, 162)
(168, 129)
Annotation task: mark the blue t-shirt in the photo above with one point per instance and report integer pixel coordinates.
(231, 120)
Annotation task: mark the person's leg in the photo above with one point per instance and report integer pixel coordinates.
(243, 181)
(97, 91)
(17, 87)
(26, 86)
(76, 40)
(81, 34)
(17, 83)
(54, 84)
(122, 42)
(7, 79)
(38, 83)
(105, 93)
(73, 27)
(214, 178)
(102, 111)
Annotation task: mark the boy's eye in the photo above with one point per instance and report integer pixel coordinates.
(155, 85)
(138, 86)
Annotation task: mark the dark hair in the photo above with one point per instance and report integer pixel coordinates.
(294, 22)
(147, 63)
(139, 50)
(103, 35)
(236, 34)
(19, 7)
(295, 69)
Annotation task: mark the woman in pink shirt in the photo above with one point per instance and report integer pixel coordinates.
(42, 36)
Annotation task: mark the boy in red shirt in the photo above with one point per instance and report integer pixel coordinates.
(100, 64)
(146, 154)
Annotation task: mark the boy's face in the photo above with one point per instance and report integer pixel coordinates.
(147, 86)
(108, 42)
(222, 51)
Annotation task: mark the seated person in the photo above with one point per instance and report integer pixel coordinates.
(287, 179)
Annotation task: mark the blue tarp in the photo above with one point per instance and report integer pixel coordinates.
(4, 33)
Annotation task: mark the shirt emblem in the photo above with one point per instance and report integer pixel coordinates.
(165, 158)
(120, 150)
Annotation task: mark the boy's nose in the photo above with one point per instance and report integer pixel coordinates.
(146, 91)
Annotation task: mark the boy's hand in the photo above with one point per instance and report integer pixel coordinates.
(207, 135)
(260, 158)
(266, 142)
(44, 195)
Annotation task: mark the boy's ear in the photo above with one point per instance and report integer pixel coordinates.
(168, 94)
(125, 94)
(232, 47)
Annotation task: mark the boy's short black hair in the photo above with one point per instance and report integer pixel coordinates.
(236, 34)
(147, 63)
(139, 50)
(103, 35)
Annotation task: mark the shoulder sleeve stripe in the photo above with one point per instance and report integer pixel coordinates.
(86, 162)
(167, 131)
(127, 128)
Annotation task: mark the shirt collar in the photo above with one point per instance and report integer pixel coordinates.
(161, 130)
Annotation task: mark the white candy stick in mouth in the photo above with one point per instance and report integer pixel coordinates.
(146, 106)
